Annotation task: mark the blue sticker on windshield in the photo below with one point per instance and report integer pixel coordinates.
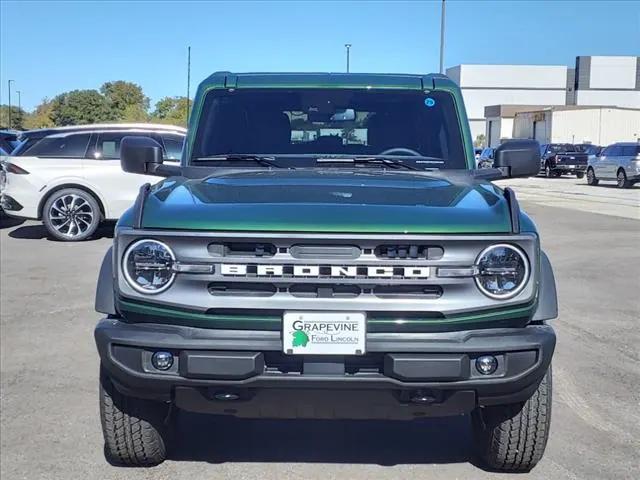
(429, 102)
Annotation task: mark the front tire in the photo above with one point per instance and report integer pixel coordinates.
(512, 438)
(71, 215)
(579, 175)
(591, 178)
(622, 179)
(133, 429)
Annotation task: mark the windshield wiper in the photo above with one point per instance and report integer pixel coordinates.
(388, 162)
(263, 160)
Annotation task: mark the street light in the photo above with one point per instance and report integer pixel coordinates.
(347, 46)
(442, 38)
(9, 85)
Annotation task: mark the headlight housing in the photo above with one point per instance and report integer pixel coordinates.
(503, 271)
(148, 266)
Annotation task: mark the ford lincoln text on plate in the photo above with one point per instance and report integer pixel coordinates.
(327, 249)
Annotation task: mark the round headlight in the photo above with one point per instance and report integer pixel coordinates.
(148, 266)
(503, 271)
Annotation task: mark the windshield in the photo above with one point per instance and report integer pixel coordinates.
(295, 126)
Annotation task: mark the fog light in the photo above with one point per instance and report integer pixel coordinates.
(162, 360)
(487, 364)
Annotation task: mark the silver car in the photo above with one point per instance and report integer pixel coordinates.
(619, 162)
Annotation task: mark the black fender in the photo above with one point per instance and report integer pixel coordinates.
(547, 308)
(105, 298)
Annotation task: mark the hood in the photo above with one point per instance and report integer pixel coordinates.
(337, 200)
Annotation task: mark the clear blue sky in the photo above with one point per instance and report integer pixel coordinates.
(54, 46)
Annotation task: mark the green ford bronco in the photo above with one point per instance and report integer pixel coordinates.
(327, 249)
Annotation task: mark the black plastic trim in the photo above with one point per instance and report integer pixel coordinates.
(547, 308)
(138, 206)
(514, 209)
(538, 338)
(105, 296)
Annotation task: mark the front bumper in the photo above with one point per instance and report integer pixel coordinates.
(402, 376)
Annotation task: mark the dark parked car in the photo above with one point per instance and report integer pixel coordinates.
(557, 159)
(486, 158)
(8, 141)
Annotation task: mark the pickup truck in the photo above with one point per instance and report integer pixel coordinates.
(327, 249)
(557, 159)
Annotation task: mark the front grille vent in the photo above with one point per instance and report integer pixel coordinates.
(241, 249)
(409, 251)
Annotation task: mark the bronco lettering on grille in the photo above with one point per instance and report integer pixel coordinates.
(331, 271)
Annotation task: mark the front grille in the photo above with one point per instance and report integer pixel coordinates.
(380, 275)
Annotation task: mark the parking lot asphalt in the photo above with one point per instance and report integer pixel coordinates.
(49, 424)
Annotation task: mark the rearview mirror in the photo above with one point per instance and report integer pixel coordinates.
(143, 155)
(518, 158)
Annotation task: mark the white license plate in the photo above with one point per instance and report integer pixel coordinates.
(324, 333)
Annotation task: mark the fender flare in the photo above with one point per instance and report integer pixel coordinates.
(547, 307)
(105, 298)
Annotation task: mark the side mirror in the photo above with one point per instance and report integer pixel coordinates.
(518, 158)
(143, 155)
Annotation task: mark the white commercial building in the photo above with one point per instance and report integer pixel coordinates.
(608, 81)
(579, 124)
(484, 85)
(494, 94)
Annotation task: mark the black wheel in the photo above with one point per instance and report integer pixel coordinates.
(622, 179)
(133, 429)
(591, 178)
(579, 174)
(71, 214)
(512, 438)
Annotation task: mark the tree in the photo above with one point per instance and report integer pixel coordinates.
(17, 117)
(41, 116)
(480, 141)
(126, 100)
(81, 107)
(171, 110)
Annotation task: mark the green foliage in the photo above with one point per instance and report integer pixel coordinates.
(126, 101)
(81, 107)
(480, 141)
(17, 117)
(117, 101)
(41, 116)
(171, 110)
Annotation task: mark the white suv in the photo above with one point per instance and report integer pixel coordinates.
(70, 177)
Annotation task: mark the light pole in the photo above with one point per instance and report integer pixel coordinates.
(9, 85)
(19, 100)
(188, 82)
(442, 38)
(347, 46)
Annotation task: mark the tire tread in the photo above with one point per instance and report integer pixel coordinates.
(132, 428)
(517, 443)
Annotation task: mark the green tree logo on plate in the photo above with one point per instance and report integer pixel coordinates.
(300, 339)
